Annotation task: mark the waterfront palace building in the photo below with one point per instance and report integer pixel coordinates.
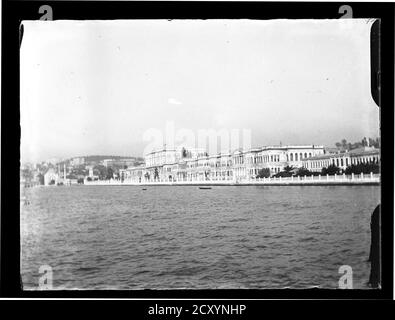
(343, 159)
(197, 165)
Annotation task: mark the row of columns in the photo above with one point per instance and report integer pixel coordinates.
(341, 162)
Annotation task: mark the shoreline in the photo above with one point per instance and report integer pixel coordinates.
(336, 180)
(234, 184)
(271, 182)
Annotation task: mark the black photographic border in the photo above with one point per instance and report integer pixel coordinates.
(16, 11)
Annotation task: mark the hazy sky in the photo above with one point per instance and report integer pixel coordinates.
(95, 87)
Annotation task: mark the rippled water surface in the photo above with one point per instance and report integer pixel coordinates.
(110, 237)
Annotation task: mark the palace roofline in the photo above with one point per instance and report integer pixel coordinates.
(256, 149)
(351, 153)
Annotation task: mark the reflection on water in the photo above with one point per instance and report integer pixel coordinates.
(107, 237)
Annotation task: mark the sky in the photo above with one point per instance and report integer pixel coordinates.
(108, 87)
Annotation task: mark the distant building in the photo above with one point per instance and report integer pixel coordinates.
(328, 150)
(51, 177)
(171, 163)
(90, 169)
(72, 181)
(132, 174)
(119, 162)
(342, 159)
(161, 157)
(77, 161)
(275, 158)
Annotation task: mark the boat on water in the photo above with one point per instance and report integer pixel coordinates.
(204, 188)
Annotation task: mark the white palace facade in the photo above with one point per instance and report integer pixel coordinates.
(197, 165)
(343, 159)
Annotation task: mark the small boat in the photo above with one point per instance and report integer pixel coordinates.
(204, 188)
(144, 189)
